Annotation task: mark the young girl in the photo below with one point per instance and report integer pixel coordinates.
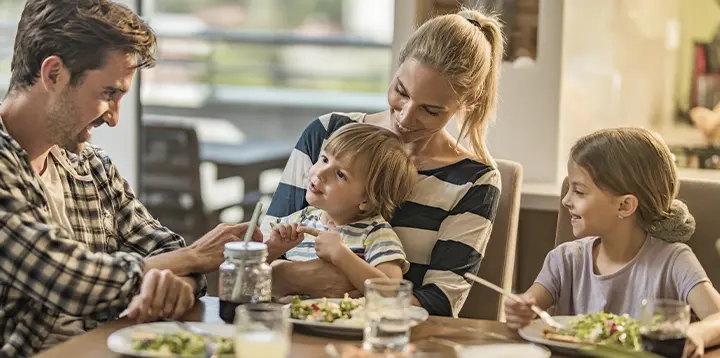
(363, 174)
(621, 199)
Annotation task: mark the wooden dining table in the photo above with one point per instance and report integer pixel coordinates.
(436, 335)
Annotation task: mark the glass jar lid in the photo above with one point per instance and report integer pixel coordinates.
(239, 250)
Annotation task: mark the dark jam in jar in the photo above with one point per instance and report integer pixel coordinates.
(227, 308)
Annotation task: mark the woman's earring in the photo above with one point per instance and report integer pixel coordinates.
(621, 217)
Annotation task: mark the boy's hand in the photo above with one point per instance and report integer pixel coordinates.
(328, 244)
(283, 238)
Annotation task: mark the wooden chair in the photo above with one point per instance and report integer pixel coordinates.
(170, 179)
(498, 265)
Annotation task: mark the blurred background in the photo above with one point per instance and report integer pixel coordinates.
(205, 134)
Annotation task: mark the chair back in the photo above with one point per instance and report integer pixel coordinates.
(498, 264)
(170, 181)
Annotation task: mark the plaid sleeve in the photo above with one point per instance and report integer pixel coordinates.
(138, 232)
(40, 259)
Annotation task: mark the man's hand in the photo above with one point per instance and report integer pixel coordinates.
(208, 250)
(162, 295)
(316, 278)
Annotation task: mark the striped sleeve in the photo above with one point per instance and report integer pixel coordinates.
(383, 245)
(289, 196)
(462, 238)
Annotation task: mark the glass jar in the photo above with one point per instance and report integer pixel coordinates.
(255, 284)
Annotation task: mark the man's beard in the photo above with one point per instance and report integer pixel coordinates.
(62, 121)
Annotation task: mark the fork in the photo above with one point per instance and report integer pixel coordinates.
(546, 317)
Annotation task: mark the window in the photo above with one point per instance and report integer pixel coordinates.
(281, 53)
(9, 14)
(249, 75)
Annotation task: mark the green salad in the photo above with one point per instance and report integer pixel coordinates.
(606, 328)
(324, 310)
(180, 343)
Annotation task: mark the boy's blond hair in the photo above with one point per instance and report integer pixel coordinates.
(380, 153)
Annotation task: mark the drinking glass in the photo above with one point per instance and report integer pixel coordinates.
(387, 322)
(663, 326)
(262, 330)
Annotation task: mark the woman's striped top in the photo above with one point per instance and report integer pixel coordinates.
(444, 227)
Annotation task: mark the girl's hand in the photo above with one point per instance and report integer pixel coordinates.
(519, 314)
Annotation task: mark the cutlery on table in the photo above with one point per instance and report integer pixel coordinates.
(546, 317)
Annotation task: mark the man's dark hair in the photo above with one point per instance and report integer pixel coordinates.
(82, 33)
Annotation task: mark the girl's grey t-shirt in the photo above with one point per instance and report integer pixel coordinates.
(659, 270)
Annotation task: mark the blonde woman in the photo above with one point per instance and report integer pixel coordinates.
(621, 199)
(448, 68)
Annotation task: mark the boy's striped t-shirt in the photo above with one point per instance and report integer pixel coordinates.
(372, 239)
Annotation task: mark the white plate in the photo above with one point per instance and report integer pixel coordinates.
(120, 341)
(503, 351)
(534, 333)
(354, 328)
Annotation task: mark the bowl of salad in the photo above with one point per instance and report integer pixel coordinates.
(343, 317)
(586, 332)
(165, 339)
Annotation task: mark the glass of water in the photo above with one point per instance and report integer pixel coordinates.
(387, 320)
(262, 330)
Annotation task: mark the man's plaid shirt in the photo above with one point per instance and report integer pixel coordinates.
(46, 270)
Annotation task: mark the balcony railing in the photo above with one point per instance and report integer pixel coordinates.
(207, 58)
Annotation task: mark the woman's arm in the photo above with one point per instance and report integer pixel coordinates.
(315, 278)
(461, 243)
